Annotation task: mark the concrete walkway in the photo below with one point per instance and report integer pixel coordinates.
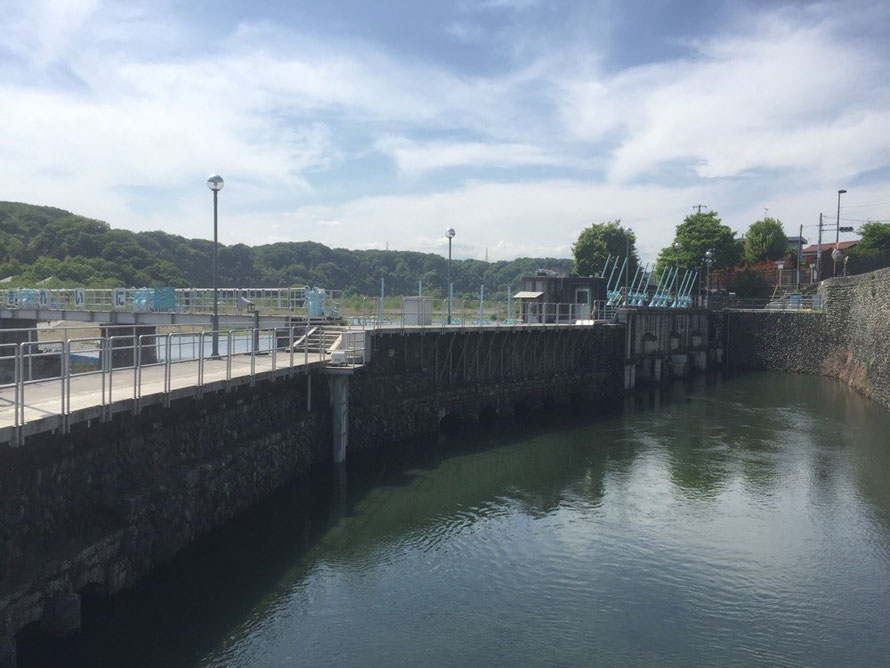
(96, 394)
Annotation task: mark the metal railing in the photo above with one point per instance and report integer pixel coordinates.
(43, 375)
(422, 312)
(306, 302)
(862, 265)
(793, 302)
(58, 371)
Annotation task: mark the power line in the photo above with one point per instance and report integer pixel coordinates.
(858, 220)
(699, 207)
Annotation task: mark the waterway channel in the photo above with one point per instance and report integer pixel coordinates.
(742, 522)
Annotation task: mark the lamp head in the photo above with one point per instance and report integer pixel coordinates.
(841, 192)
(450, 233)
(215, 182)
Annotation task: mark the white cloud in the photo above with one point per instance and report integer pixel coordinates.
(415, 157)
(779, 110)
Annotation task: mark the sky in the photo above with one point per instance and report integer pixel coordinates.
(518, 122)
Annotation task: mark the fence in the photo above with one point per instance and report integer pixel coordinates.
(862, 265)
(310, 302)
(793, 302)
(54, 372)
(429, 312)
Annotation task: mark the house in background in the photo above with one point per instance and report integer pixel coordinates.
(549, 297)
(810, 253)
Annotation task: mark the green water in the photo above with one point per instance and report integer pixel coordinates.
(742, 523)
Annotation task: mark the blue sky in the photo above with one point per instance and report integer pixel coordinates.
(518, 122)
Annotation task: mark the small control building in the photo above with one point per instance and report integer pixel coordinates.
(548, 297)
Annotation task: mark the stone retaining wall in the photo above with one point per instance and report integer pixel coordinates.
(103, 505)
(849, 340)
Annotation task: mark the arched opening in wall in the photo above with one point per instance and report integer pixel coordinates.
(650, 343)
(488, 415)
(90, 595)
(674, 340)
(449, 423)
(521, 410)
(34, 645)
(697, 338)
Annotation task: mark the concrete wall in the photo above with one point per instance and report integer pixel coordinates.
(416, 379)
(849, 340)
(663, 343)
(103, 505)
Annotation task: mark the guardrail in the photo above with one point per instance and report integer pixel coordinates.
(308, 302)
(50, 368)
(104, 370)
(786, 303)
(430, 312)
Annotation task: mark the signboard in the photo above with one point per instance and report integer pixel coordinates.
(79, 297)
(780, 265)
(43, 299)
(10, 297)
(119, 298)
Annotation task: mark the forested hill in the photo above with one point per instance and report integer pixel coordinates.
(56, 248)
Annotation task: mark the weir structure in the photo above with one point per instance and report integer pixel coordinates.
(108, 471)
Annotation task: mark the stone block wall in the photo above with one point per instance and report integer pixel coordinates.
(103, 505)
(849, 340)
(415, 379)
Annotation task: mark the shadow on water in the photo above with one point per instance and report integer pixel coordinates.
(188, 607)
(709, 434)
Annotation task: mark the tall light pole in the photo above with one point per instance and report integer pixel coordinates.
(709, 260)
(837, 232)
(215, 183)
(627, 233)
(450, 234)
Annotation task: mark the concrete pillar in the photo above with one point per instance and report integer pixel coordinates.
(700, 359)
(630, 376)
(656, 370)
(62, 615)
(7, 652)
(340, 402)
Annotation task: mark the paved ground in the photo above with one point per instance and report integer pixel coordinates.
(44, 398)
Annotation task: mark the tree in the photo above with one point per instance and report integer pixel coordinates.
(597, 242)
(695, 236)
(750, 284)
(873, 237)
(765, 240)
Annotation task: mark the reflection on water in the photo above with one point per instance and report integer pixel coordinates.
(744, 522)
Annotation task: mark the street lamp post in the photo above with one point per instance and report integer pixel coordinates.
(709, 260)
(627, 233)
(837, 232)
(215, 183)
(450, 234)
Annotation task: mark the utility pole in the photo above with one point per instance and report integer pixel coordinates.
(799, 251)
(765, 211)
(819, 253)
(699, 207)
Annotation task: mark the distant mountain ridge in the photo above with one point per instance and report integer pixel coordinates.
(54, 247)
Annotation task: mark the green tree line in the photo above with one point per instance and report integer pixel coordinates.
(55, 248)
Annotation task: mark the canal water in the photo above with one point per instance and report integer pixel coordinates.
(740, 523)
